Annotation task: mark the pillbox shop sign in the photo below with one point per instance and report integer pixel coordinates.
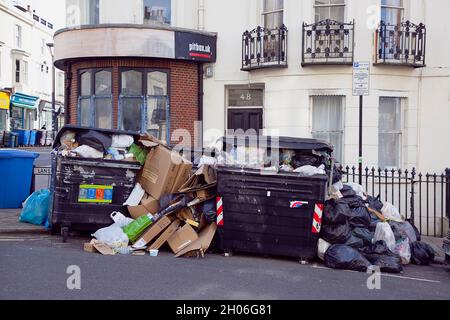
(196, 47)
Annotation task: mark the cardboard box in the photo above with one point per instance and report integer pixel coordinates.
(184, 172)
(204, 178)
(182, 238)
(202, 243)
(89, 247)
(163, 169)
(165, 236)
(147, 205)
(153, 231)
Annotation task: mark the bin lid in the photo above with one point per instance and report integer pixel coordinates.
(78, 129)
(283, 142)
(11, 153)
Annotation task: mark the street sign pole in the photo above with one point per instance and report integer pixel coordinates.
(361, 88)
(361, 100)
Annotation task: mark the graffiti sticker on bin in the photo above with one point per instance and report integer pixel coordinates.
(298, 204)
(95, 194)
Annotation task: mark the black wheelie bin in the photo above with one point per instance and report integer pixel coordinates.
(86, 191)
(269, 212)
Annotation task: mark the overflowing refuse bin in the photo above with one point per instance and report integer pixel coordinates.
(16, 169)
(87, 187)
(273, 212)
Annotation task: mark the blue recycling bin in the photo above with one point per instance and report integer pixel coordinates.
(11, 139)
(33, 134)
(16, 170)
(24, 137)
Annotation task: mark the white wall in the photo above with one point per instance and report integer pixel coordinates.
(288, 91)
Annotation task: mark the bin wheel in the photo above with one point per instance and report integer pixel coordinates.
(304, 261)
(228, 253)
(64, 234)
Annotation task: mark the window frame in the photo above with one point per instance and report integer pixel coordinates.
(399, 132)
(329, 6)
(145, 121)
(342, 124)
(93, 97)
(402, 9)
(265, 14)
(18, 33)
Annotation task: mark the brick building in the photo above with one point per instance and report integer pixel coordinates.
(137, 78)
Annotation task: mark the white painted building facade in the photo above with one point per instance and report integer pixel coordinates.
(405, 117)
(26, 67)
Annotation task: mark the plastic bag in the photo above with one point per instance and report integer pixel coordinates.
(94, 139)
(345, 258)
(384, 232)
(389, 263)
(357, 188)
(122, 141)
(348, 192)
(379, 255)
(88, 152)
(139, 153)
(113, 236)
(310, 170)
(359, 218)
(322, 248)
(355, 242)
(36, 208)
(403, 249)
(422, 254)
(364, 234)
(120, 219)
(336, 234)
(375, 203)
(391, 213)
(403, 230)
(335, 213)
(416, 231)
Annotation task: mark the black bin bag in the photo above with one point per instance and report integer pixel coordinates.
(335, 213)
(379, 255)
(336, 234)
(422, 254)
(345, 258)
(95, 139)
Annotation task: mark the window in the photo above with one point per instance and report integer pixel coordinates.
(273, 13)
(95, 99)
(390, 134)
(94, 14)
(60, 83)
(18, 35)
(329, 9)
(327, 122)
(144, 102)
(21, 71)
(392, 11)
(157, 11)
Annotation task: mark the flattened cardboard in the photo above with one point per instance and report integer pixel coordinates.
(153, 232)
(204, 178)
(202, 243)
(89, 247)
(165, 236)
(182, 238)
(184, 172)
(103, 249)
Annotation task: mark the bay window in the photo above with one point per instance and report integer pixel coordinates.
(95, 98)
(144, 102)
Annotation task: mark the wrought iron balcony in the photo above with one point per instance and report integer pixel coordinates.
(403, 44)
(328, 42)
(264, 48)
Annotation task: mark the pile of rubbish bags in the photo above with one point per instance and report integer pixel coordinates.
(359, 231)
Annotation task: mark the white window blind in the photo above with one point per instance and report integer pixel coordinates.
(390, 133)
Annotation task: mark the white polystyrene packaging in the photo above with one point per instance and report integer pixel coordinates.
(122, 141)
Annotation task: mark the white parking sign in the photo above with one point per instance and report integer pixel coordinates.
(361, 78)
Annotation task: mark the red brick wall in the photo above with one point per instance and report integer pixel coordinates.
(183, 87)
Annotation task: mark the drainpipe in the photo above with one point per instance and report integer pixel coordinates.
(200, 103)
(201, 14)
(68, 82)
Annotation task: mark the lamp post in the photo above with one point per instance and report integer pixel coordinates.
(54, 117)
